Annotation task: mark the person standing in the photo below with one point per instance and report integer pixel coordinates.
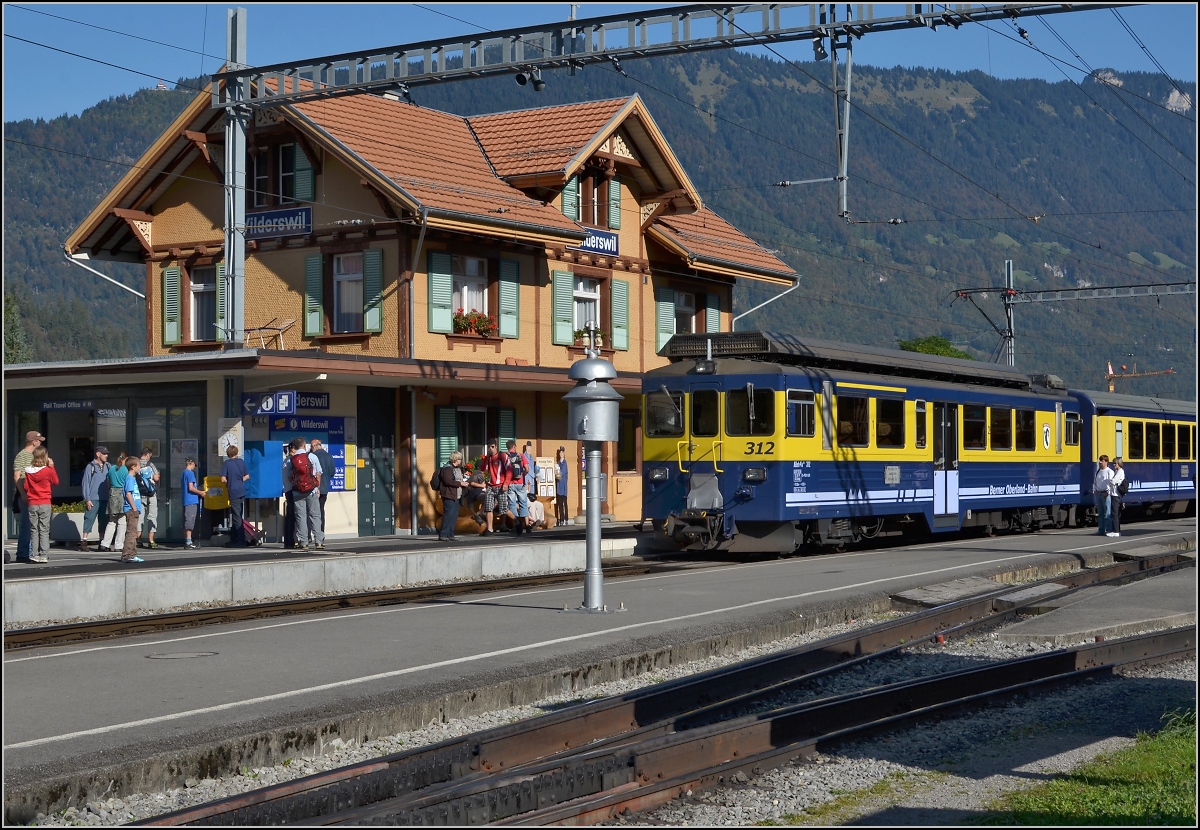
(531, 476)
(560, 486)
(40, 479)
(1100, 490)
(33, 440)
(235, 475)
(325, 461)
(114, 532)
(1115, 495)
(95, 484)
(450, 482)
(149, 490)
(132, 495)
(495, 467)
(301, 477)
(191, 501)
(518, 496)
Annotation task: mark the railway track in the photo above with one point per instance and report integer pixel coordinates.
(63, 634)
(631, 752)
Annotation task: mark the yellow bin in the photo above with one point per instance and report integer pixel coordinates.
(218, 496)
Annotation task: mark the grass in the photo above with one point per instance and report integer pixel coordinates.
(847, 805)
(1151, 782)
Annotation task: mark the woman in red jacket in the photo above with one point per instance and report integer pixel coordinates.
(40, 478)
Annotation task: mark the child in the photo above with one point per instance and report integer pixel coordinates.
(191, 501)
(133, 510)
(40, 477)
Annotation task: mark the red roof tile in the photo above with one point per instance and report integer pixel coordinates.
(543, 140)
(431, 155)
(706, 236)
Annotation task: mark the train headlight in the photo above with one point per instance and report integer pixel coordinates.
(659, 473)
(755, 474)
(706, 367)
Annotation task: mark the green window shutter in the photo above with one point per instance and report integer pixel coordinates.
(172, 320)
(441, 292)
(306, 178)
(445, 420)
(510, 298)
(614, 203)
(712, 312)
(506, 423)
(222, 304)
(570, 199)
(563, 287)
(664, 316)
(314, 300)
(373, 290)
(620, 314)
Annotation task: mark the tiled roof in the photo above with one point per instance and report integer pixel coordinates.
(431, 155)
(542, 140)
(704, 236)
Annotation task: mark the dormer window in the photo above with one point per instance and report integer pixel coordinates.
(593, 199)
(282, 175)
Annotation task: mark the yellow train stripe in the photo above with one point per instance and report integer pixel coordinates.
(841, 384)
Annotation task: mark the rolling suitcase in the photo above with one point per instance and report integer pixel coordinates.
(250, 532)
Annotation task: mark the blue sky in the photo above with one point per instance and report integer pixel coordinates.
(41, 83)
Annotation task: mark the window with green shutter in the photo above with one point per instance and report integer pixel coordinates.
(570, 198)
(664, 316)
(314, 296)
(172, 320)
(506, 425)
(614, 203)
(441, 292)
(620, 314)
(306, 178)
(712, 312)
(373, 290)
(222, 325)
(509, 289)
(563, 288)
(445, 420)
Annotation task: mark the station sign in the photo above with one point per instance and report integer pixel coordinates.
(269, 403)
(601, 242)
(288, 222)
(312, 400)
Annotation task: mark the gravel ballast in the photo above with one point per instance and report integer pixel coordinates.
(938, 773)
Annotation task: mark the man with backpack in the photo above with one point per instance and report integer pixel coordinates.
(1118, 488)
(148, 478)
(518, 496)
(302, 476)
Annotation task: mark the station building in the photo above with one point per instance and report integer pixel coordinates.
(374, 229)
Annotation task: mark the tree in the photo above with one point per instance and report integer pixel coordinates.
(933, 345)
(16, 344)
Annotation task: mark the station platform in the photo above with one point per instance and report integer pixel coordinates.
(81, 585)
(145, 713)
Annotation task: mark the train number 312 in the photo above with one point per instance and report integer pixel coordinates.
(760, 448)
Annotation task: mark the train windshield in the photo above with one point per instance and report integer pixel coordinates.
(664, 414)
(750, 411)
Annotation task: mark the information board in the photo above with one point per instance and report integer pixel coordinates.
(339, 435)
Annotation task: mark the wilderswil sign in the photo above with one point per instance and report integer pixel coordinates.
(287, 222)
(601, 242)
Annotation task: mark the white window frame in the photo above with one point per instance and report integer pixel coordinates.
(470, 273)
(340, 277)
(586, 292)
(287, 175)
(203, 291)
(685, 303)
(262, 177)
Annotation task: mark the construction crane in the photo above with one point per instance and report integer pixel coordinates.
(1111, 376)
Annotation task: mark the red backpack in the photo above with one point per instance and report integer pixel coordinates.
(303, 480)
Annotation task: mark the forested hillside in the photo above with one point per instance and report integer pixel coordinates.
(950, 175)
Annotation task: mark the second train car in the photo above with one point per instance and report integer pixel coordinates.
(761, 442)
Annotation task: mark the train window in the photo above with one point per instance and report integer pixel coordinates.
(1137, 439)
(801, 413)
(664, 414)
(1074, 428)
(922, 425)
(854, 416)
(706, 412)
(1026, 429)
(1001, 428)
(1185, 443)
(889, 423)
(1168, 441)
(1152, 441)
(974, 435)
(750, 411)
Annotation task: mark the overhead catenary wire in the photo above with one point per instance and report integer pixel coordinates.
(1150, 55)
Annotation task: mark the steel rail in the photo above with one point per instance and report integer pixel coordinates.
(51, 635)
(603, 722)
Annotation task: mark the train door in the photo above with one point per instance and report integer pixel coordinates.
(705, 448)
(945, 464)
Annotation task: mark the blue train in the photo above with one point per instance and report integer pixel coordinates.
(762, 442)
